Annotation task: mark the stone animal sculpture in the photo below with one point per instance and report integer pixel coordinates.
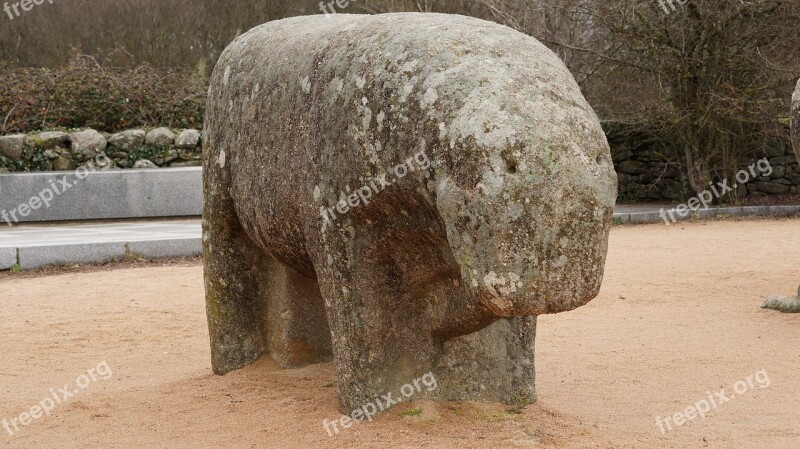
(439, 270)
(795, 126)
(790, 304)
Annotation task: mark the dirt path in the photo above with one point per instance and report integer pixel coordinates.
(678, 317)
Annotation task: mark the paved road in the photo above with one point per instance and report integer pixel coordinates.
(33, 246)
(36, 245)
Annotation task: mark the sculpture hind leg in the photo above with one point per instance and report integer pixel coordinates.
(254, 303)
(296, 327)
(235, 274)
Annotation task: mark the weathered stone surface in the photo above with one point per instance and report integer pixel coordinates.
(505, 216)
(8, 257)
(130, 140)
(770, 187)
(144, 163)
(12, 146)
(24, 152)
(108, 194)
(197, 163)
(62, 163)
(62, 160)
(166, 157)
(189, 138)
(796, 121)
(160, 138)
(87, 144)
(775, 151)
(780, 303)
(782, 160)
(49, 140)
(785, 304)
(189, 155)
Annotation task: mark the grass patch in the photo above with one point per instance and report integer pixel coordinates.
(518, 405)
(412, 412)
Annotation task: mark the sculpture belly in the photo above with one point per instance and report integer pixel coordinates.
(268, 203)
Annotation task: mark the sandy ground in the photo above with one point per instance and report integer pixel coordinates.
(678, 316)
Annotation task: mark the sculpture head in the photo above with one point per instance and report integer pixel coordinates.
(527, 188)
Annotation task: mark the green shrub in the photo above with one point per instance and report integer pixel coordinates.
(85, 94)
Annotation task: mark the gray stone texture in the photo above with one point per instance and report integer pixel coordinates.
(63, 151)
(39, 256)
(189, 138)
(31, 257)
(785, 304)
(130, 140)
(654, 215)
(12, 146)
(106, 194)
(87, 144)
(160, 138)
(782, 303)
(768, 187)
(446, 269)
(49, 140)
(144, 164)
(796, 121)
(161, 249)
(644, 175)
(8, 258)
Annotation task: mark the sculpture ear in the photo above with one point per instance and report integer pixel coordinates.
(450, 200)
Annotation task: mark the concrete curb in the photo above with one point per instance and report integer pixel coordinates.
(8, 258)
(33, 246)
(90, 253)
(101, 195)
(162, 249)
(745, 211)
(157, 240)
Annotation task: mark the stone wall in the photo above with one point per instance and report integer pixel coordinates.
(647, 175)
(58, 150)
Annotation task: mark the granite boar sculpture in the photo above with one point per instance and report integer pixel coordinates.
(796, 121)
(501, 212)
(790, 304)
